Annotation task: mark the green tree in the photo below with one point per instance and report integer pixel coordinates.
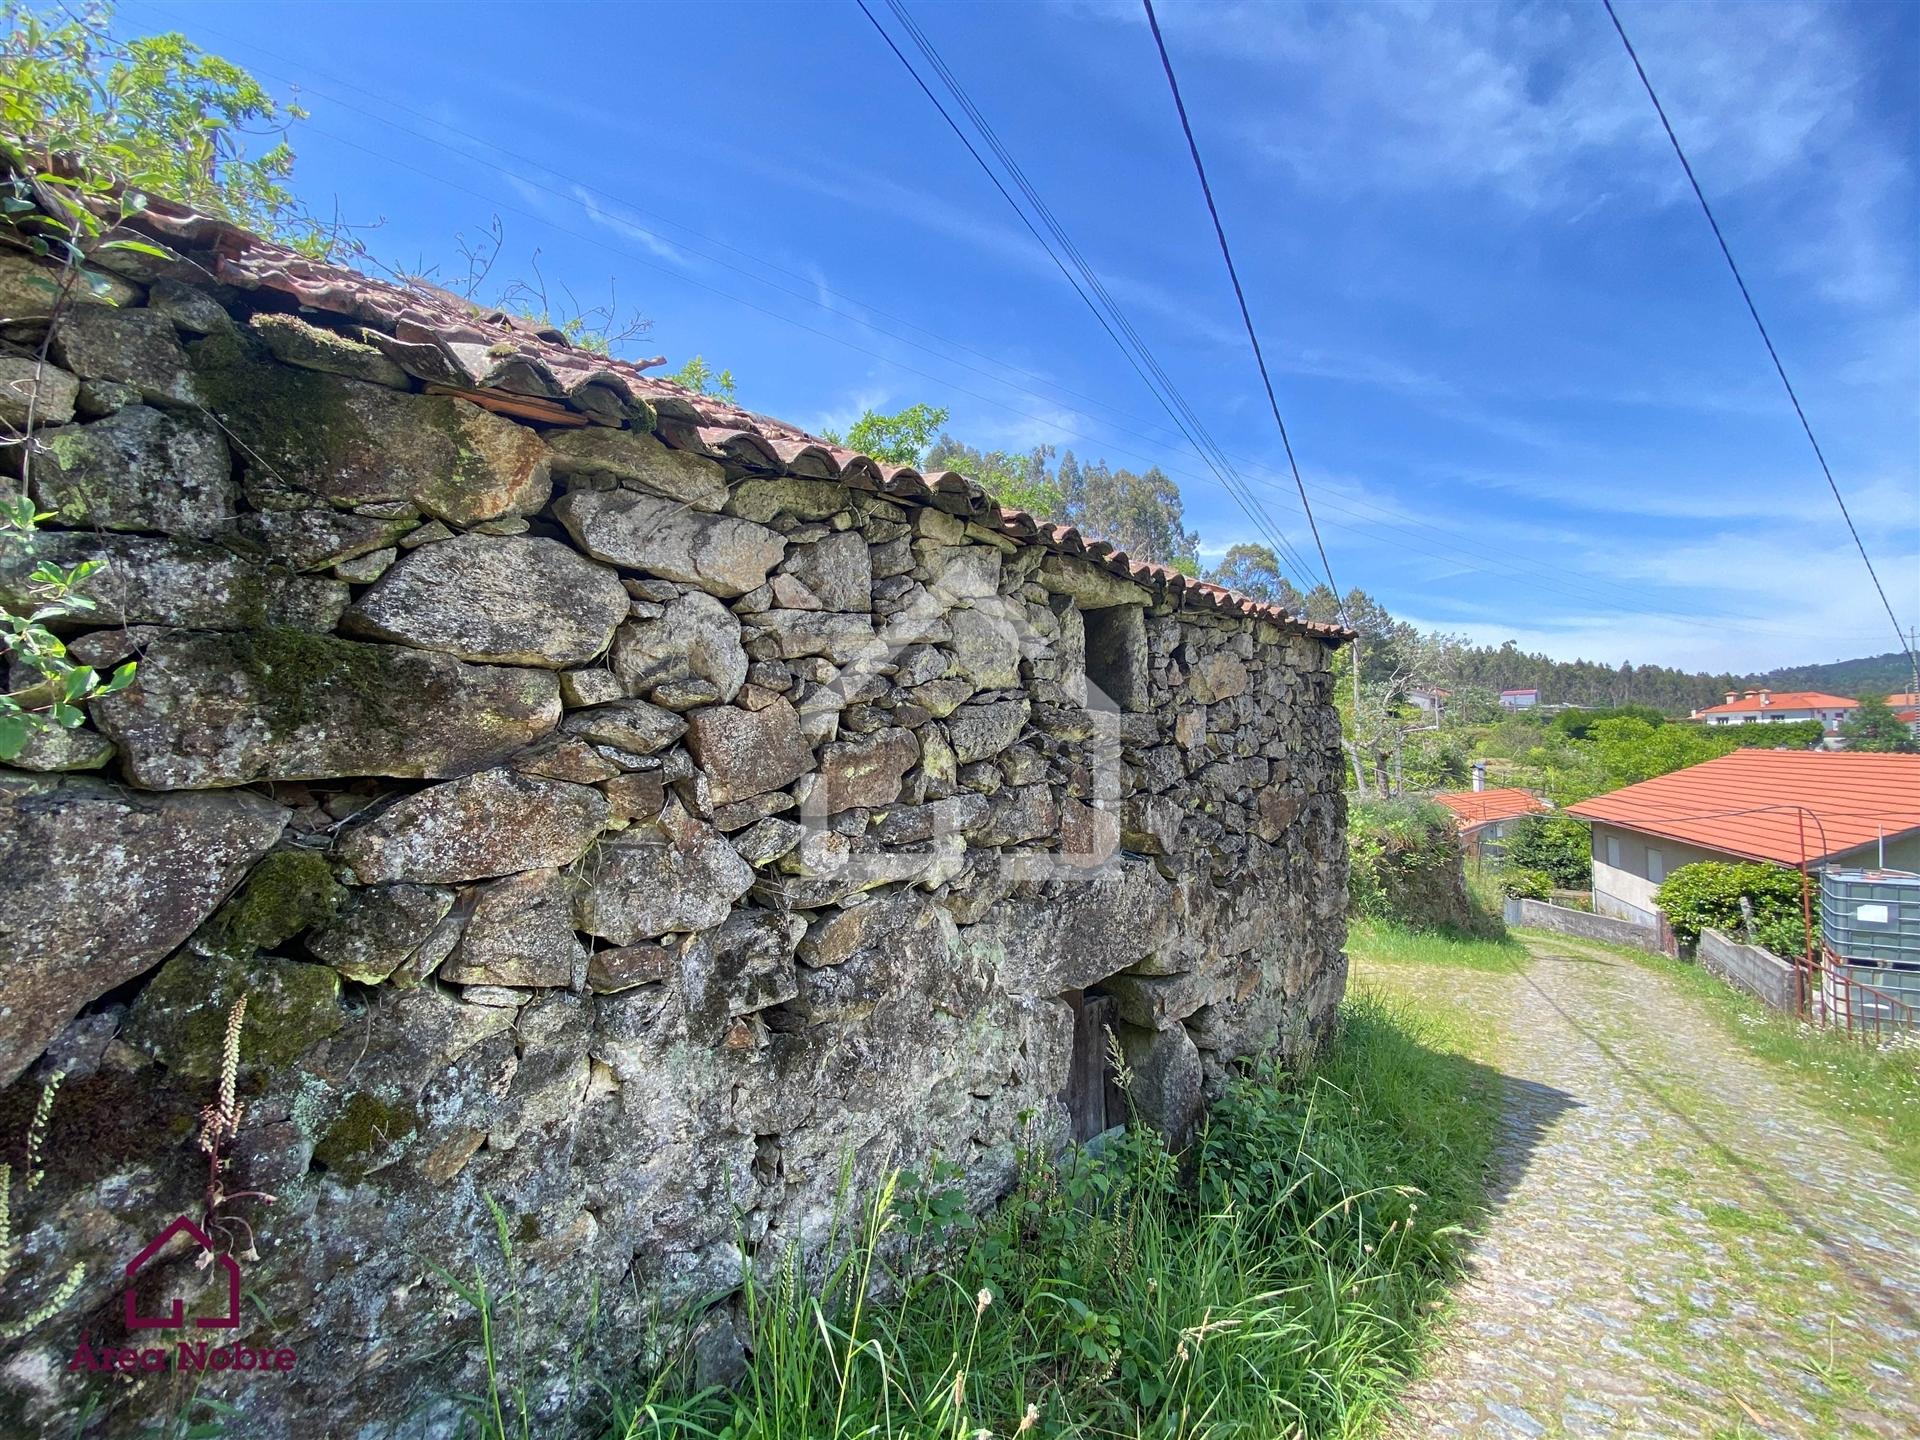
(1629, 750)
(1255, 570)
(1025, 482)
(900, 438)
(1874, 727)
(1558, 846)
(1138, 512)
(155, 113)
(1578, 724)
(703, 379)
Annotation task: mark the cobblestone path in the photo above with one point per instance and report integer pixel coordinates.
(1680, 1246)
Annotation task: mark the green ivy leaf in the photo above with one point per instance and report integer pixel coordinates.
(14, 730)
(140, 247)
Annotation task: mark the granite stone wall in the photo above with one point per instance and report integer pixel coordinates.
(616, 843)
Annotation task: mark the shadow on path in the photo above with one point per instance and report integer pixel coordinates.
(1835, 1250)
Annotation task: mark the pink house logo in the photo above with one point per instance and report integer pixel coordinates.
(174, 1319)
(187, 1356)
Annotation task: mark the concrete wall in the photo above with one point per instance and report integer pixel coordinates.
(1539, 915)
(1757, 971)
(608, 822)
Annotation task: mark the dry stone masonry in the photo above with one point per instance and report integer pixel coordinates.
(617, 811)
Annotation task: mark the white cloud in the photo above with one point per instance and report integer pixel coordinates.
(611, 218)
(1541, 108)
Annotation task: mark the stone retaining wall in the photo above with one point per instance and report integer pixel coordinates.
(626, 844)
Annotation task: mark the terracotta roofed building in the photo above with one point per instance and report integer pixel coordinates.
(1778, 806)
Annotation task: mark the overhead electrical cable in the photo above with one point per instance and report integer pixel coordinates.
(1142, 363)
(1452, 549)
(1220, 233)
(1089, 276)
(1780, 369)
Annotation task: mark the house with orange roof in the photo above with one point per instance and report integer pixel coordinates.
(1762, 707)
(1778, 806)
(1489, 815)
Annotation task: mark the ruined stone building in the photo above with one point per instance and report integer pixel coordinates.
(616, 808)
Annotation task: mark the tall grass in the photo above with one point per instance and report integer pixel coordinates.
(1277, 1282)
(1387, 943)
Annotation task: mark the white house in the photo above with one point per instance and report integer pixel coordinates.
(1519, 699)
(1762, 707)
(1906, 706)
(1778, 806)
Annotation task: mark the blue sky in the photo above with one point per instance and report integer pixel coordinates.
(1525, 396)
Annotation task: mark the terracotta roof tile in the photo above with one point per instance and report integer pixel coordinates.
(1781, 700)
(1481, 807)
(1851, 799)
(532, 371)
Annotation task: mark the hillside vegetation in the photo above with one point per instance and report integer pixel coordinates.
(1869, 675)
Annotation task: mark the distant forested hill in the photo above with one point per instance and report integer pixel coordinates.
(1872, 675)
(1581, 682)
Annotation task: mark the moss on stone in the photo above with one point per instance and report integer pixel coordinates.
(472, 472)
(294, 421)
(102, 1124)
(285, 666)
(289, 891)
(181, 1018)
(367, 1133)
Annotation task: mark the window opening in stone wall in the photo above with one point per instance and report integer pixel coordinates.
(1117, 654)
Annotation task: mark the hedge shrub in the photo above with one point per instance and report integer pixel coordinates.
(1559, 846)
(1529, 884)
(1707, 897)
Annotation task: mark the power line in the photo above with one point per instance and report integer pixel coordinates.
(1452, 550)
(1141, 363)
(1760, 325)
(1233, 274)
(810, 296)
(1088, 274)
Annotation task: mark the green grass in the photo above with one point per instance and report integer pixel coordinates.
(1872, 1090)
(1282, 1281)
(1381, 942)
